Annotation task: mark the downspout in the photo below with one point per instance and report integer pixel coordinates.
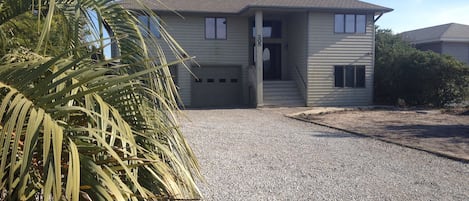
(373, 55)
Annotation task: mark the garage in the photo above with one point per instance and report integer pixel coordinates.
(216, 86)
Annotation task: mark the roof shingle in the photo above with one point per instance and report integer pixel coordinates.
(238, 6)
(452, 32)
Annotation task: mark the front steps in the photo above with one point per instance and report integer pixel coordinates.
(282, 93)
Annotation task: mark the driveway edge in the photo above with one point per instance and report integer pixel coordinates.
(463, 160)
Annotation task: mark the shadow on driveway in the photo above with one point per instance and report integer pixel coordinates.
(434, 131)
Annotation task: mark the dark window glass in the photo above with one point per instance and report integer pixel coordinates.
(339, 76)
(210, 80)
(339, 23)
(350, 23)
(234, 80)
(349, 76)
(221, 28)
(173, 70)
(360, 76)
(144, 26)
(270, 29)
(149, 25)
(215, 28)
(210, 28)
(275, 28)
(222, 80)
(361, 23)
(198, 80)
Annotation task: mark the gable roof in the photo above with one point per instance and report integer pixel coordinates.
(240, 6)
(452, 32)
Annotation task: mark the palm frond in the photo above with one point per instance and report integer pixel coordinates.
(74, 127)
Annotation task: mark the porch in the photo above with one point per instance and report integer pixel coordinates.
(279, 40)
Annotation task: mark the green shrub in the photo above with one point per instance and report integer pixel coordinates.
(416, 77)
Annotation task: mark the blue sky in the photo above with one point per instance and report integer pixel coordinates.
(415, 14)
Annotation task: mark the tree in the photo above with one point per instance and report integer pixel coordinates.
(24, 31)
(416, 77)
(77, 128)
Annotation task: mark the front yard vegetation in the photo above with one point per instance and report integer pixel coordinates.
(407, 76)
(76, 126)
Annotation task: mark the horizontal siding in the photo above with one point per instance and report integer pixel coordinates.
(297, 49)
(326, 50)
(184, 79)
(189, 32)
(459, 51)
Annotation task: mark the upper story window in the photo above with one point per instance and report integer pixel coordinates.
(270, 29)
(215, 28)
(349, 76)
(150, 25)
(350, 23)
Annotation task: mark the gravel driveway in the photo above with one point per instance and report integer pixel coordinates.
(251, 154)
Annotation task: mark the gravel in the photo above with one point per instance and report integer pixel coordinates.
(258, 154)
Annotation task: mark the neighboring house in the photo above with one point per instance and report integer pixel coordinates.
(450, 39)
(313, 52)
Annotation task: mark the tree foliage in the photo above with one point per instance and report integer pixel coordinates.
(416, 77)
(77, 128)
(24, 31)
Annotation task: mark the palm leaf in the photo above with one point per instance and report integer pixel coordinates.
(73, 127)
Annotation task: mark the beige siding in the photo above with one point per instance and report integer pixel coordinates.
(190, 33)
(297, 49)
(327, 49)
(183, 82)
(459, 51)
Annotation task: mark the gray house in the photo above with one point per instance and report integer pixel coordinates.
(450, 39)
(274, 52)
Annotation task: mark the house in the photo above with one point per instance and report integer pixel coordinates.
(450, 39)
(274, 52)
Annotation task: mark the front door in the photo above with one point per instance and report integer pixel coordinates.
(272, 56)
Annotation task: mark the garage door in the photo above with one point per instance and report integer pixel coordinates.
(216, 86)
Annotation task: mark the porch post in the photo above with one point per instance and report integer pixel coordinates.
(259, 58)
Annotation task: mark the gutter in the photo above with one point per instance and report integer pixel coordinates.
(293, 8)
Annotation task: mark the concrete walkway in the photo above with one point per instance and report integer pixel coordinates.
(250, 154)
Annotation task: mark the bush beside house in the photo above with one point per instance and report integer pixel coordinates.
(424, 78)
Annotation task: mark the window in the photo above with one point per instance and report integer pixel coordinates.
(215, 28)
(361, 24)
(173, 69)
(339, 76)
(350, 23)
(270, 29)
(149, 25)
(349, 76)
